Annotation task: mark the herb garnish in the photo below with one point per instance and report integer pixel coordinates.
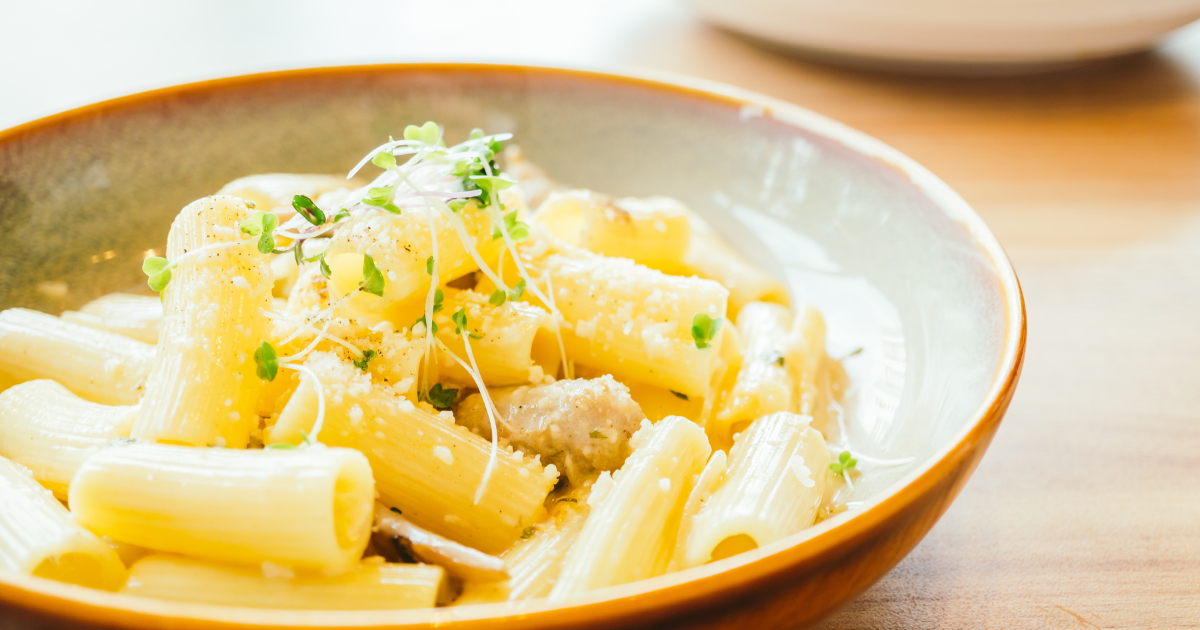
(308, 210)
(262, 224)
(372, 278)
(266, 362)
(844, 463)
(597, 435)
(704, 328)
(679, 395)
(438, 396)
(365, 361)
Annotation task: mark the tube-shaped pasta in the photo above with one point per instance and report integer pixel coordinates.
(652, 231)
(135, 316)
(100, 366)
(708, 256)
(46, 428)
(303, 508)
(771, 360)
(273, 192)
(38, 536)
(204, 390)
(424, 464)
(631, 531)
(629, 320)
(772, 489)
(505, 350)
(809, 330)
(706, 484)
(373, 585)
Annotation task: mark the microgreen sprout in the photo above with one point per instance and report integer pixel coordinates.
(528, 532)
(517, 290)
(372, 278)
(596, 434)
(281, 446)
(381, 197)
(341, 215)
(518, 230)
(429, 133)
(262, 225)
(429, 265)
(490, 185)
(266, 361)
(844, 463)
(364, 361)
(460, 323)
(325, 270)
(308, 210)
(497, 298)
(704, 328)
(159, 272)
(438, 297)
(440, 397)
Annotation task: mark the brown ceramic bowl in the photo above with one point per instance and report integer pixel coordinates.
(898, 263)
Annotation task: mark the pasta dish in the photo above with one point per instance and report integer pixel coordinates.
(450, 384)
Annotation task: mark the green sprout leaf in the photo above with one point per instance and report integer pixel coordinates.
(325, 270)
(282, 446)
(381, 197)
(844, 463)
(262, 225)
(308, 210)
(421, 320)
(460, 320)
(341, 215)
(597, 435)
(372, 278)
(679, 395)
(438, 298)
(267, 362)
(429, 265)
(528, 532)
(158, 271)
(429, 133)
(497, 298)
(490, 185)
(363, 362)
(441, 397)
(518, 290)
(704, 328)
(517, 230)
(458, 204)
(298, 251)
(384, 160)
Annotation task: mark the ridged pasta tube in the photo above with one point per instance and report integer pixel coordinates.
(772, 362)
(424, 464)
(510, 334)
(46, 428)
(203, 390)
(652, 231)
(373, 585)
(102, 367)
(631, 531)
(135, 316)
(38, 536)
(776, 476)
(304, 508)
(273, 192)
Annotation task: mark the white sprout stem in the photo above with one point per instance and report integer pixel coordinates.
(205, 249)
(316, 331)
(320, 421)
(849, 482)
(876, 461)
(568, 370)
(429, 299)
(488, 406)
(299, 236)
(326, 312)
(312, 345)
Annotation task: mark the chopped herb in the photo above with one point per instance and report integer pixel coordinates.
(421, 320)
(341, 214)
(776, 358)
(679, 395)
(844, 463)
(438, 297)
(384, 160)
(365, 360)
(158, 271)
(397, 510)
(282, 446)
(267, 362)
(497, 298)
(429, 265)
(308, 210)
(597, 435)
(518, 290)
(567, 500)
(262, 225)
(704, 328)
(528, 532)
(325, 270)
(372, 278)
(441, 397)
(516, 229)
(853, 352)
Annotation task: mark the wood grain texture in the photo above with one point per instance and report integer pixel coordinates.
(1085, 513)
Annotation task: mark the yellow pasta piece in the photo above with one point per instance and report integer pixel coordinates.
(38, 536)
(631, 532)
(708, 256)
(509, 333)
(273, 192)
(424, 464)
(101, 366)
(653, 231)
(706, 484)
(135, 316)
(373, 585)
(204, 390)
(305, 508)
(46, 428)
(776, 476)
(772, 363)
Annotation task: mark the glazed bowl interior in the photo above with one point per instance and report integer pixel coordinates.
(897, 263)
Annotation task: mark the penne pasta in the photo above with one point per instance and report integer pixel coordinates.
(273, 192)
(203, 390)
(772, 363)
(46, 428)
(776, 476)
(305, 508)
(810, 334)
(631, 532)
(706, 483)
(509, 335)
(135, 316)
(424, 465)
(373, 585)
(100, 366)
(652, 231)
(38, 536)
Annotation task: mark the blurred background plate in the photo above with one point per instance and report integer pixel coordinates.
(955, 36)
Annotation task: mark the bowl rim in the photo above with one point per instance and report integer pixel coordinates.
(636, 599)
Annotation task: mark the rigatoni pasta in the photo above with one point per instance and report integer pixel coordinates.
(135, 316)
(49, 430)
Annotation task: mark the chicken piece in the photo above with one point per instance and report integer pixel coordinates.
(581, 426)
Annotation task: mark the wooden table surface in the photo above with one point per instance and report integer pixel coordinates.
(1085, 513)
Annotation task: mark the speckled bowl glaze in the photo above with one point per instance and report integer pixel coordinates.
(899, 264)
